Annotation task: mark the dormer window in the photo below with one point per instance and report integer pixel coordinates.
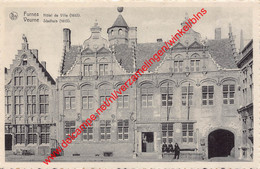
(112, 32)
(195, 65)
(103, 69)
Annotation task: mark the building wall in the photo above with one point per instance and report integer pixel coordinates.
(26, 87)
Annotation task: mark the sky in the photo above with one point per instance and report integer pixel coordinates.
(152, 23)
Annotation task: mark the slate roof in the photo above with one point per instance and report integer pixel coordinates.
(221, 52)
(120, 22)
(144, 51)
(69, 58)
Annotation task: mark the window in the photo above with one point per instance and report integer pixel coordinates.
(187, 93)
(87, 99)
(194, 65)
(20, 134)
(167, 132)
(69, 128)
(31, 102)
(122, 126)
(8, 129)
(178, 66)
(18, 101)
(104, 94)
(44, 100)
(166, 96)
(32, 137)
(31, 77)
(45, 133)
(8, 102)
(105, 130)
(69, 97)
(88, 133)
(123, 101)
(207, 95)
(187, 132)
(18, 77)
(120, 32)
(228, 94)
(88, 70)
(103, 69)
(147, 97)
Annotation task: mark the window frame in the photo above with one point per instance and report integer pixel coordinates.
(121, 129)
(228, 100)
(188, 130)
(187, 95)
(105, 125)
(207, 100)
(166, 138)
(45, 133)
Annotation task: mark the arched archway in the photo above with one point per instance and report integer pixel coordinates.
(220, 143)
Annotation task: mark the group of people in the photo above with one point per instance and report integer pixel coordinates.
(169, 149)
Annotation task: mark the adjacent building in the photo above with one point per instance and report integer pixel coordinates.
(190, 97)
(245, 110)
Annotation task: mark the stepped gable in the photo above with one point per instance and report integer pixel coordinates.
(144, 51)
(70, 58)
(221, 52)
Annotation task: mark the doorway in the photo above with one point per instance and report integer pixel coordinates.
(220, 143)
(147, 142)
(8, 142)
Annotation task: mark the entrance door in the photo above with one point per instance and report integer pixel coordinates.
(8, 142)
(220, 143)
(147, 142)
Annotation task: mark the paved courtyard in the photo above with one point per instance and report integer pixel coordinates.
(32, 158)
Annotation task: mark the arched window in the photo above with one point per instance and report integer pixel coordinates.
(44, 100)
(31, 77)
(31, 102)
(120, 32)
(8, 101)
(112, 32)
(69, 97)
(18, 77)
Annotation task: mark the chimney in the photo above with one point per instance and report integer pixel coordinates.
(132, 36)
(43, 64)
(241, 41)
(217, 33)
(66, 39)
(159, 40)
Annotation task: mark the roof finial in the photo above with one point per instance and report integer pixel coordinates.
(120, 9)
(24, 38)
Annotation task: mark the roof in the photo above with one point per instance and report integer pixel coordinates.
(221, 52)
(144, 51)
(120, 22)
(69, 58)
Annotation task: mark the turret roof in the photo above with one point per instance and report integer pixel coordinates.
(120, 22)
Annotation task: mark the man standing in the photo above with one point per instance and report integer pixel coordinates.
(176, 151)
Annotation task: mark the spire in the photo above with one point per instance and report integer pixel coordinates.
(241, 41)
(120, 21)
